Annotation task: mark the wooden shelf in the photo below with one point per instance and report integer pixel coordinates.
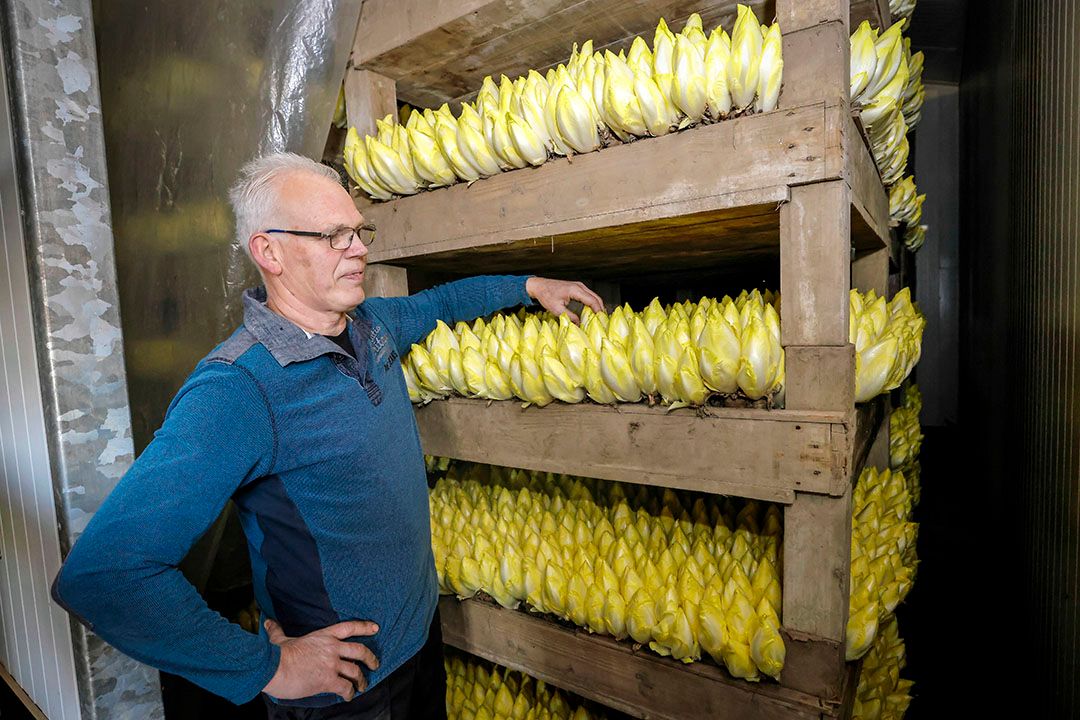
(763, 454)
(686, 200)
(440, 51)
(639, 683)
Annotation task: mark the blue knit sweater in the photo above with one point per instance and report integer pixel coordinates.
(321, 454)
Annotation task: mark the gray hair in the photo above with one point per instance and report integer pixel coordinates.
(254, 196)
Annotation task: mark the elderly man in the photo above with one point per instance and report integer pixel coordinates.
(303, 419)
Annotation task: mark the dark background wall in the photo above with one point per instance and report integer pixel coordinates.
(1020, 289)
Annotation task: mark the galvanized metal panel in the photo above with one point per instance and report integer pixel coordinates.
(67, 324)
(190, 92)
(37, 641)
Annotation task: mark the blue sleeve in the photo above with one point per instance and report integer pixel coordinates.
(410, 319)
(121, 577)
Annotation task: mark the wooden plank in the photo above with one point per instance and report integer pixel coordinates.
(817, 565)
(876, 11)
(385, 281)
(440, 51)
(868, 195)
(814, 665)
(388, 24)
(639, 683)
(368, 97)
(846, 710)
(736, 163)
(819, 376)
(870, 271)
(795, 15)
(871, 417)
(878, 453)
(815, 242)
(699, 242)
(764, 454)
(818, 74)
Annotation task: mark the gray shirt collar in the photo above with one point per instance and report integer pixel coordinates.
(285, 340)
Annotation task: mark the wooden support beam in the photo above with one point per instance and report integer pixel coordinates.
(870, 271)
(815, 256)
(873, 418)
(385, 281)
(738, 163)
(819, 377)
(794, 15)
(368, 97)
(813, 665)
(823, 48)
(879, 451)
(817, 569)
(815, 32)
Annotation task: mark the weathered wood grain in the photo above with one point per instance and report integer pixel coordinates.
(765, 454)
(639, 683)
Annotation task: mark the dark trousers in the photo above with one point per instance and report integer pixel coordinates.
(415, 691)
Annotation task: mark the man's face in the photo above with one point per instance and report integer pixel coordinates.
(322, 278)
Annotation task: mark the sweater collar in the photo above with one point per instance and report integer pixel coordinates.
(287, 341)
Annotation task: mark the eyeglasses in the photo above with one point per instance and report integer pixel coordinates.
(341, 239)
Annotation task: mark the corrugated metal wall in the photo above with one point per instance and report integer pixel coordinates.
(64, 415)
(35, 642)
(1047, 150)
(1021, 117)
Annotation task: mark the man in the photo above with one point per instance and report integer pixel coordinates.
(303, 419)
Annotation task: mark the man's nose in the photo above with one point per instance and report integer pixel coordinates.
(357, 249)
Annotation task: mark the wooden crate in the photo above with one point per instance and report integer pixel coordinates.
(798, 185)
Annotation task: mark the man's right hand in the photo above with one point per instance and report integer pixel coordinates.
(322, 661)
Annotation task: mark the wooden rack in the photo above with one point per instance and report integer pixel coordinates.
(798, 184)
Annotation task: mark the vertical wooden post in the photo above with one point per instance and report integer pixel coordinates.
(871, 272)
(815, 226)
(817, 573)
(385, 281)
(368, 97)
(817, 49)
(815, 278)
(879, 451)
(815, 241)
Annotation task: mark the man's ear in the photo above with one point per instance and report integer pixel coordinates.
(266, 252)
